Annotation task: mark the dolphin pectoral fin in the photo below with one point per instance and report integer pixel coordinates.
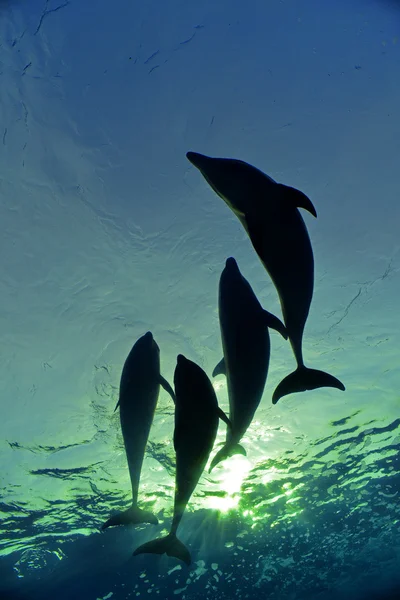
(274, 323)
(255, 232)
(223, 417)
(117, 405)
(132, 516)
(303, 379)
(297, 199)
(220, 369)
(226, 451)
(168, 388)
(169, 545)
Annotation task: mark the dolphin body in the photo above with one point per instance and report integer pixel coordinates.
(246, 346)
(196, 425)
(269, 213)
(138, 396)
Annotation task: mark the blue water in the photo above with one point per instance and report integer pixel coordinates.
(108, 232)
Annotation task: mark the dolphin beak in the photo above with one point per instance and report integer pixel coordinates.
(180, 359)
(198, 160)
(231, 263)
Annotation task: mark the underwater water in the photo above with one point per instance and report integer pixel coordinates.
(107, 231)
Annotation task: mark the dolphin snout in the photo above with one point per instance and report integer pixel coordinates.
(231, 263)
(198, 160)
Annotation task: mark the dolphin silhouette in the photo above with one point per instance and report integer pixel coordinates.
(269, 213)
(196, 425)
(246, 346)
(138, 396)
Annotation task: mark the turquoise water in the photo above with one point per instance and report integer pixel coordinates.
(108, 231)
(319, 520)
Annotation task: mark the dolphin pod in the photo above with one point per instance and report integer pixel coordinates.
(269, 213)
(138, 395)
(196, 425)
(246, 347)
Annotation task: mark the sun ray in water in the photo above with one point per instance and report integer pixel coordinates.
(229, 479)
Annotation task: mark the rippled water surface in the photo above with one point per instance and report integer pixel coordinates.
(304, 513)
(107, 232)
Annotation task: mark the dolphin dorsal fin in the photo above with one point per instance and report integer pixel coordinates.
(164, 383)
(220, 369)
(297, 199)
(223, 417)
(273, 322)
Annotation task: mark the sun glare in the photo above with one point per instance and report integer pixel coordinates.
(230, 474)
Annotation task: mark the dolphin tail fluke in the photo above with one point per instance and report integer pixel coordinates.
(132, 516)
(169, 545)
(225, 452)
(303, 379)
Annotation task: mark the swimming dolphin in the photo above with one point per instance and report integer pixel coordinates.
(269, 213)
(138, 395)
(246, 346)
(196, 424)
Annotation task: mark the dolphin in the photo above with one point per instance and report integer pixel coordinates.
(138, 395)
(196, 425)
(246, 347)
(269, 213)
